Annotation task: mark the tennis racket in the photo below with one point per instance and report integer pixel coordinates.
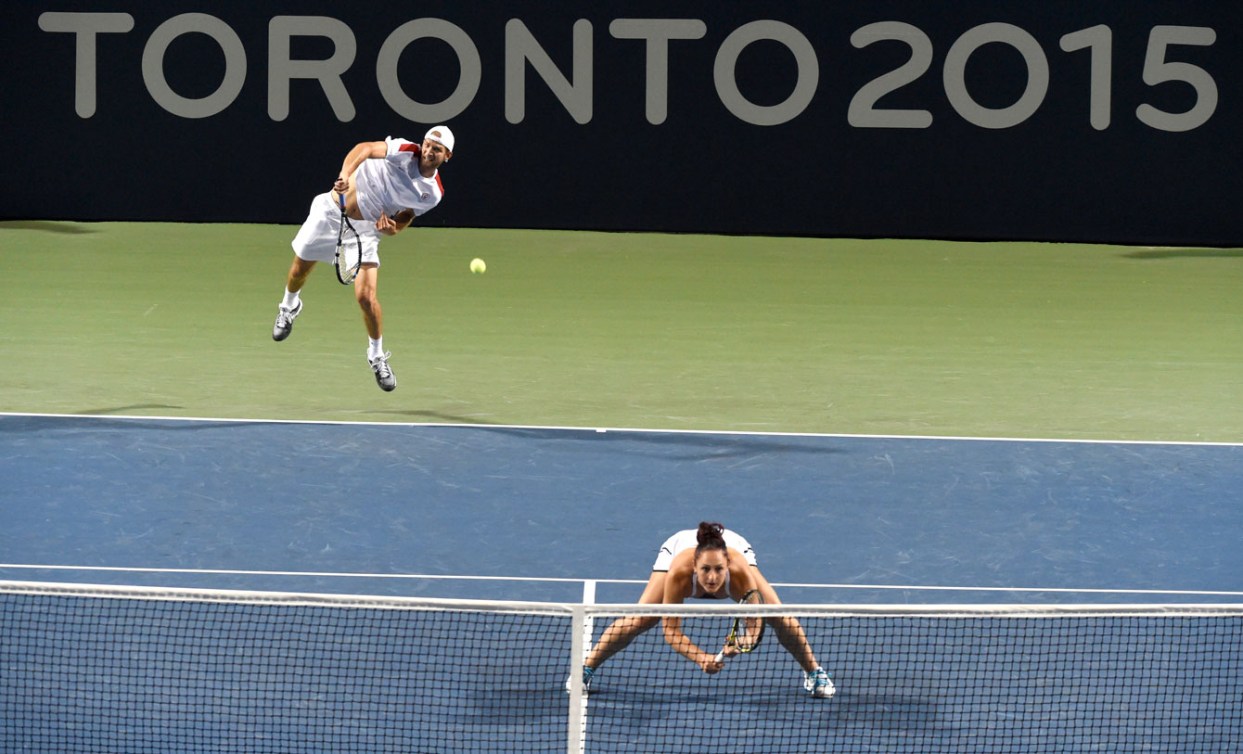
(349, 249)
(747, 631)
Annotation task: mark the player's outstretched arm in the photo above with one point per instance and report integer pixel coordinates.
(708, 663)
(677, 586)
(366, 150)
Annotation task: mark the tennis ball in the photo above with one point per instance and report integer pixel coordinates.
(478, 266)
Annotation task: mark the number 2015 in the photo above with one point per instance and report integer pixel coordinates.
(1098, 40)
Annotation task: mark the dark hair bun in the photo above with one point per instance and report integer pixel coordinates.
(710, 534)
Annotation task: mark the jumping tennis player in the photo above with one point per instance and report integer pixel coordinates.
(710, 562)
(386, 184)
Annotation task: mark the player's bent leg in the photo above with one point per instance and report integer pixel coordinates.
(816, 680)
(616, 637)
(368, 301)
(299, 271)
(791, 636)
(365, 294)
(622, 631)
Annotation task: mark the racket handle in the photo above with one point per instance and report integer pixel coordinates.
(720, 656)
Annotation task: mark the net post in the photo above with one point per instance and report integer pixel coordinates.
(577, 697)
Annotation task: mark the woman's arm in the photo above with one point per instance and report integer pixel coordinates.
(677, 586)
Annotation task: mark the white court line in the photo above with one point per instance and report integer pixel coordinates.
(590, 584)
(1058, 590)
(316, 574)
(636, 430)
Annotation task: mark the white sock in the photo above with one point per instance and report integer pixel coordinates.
(291, 299)
(375, 347)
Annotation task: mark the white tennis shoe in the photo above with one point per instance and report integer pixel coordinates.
(819, 684)
(383, 373)
(284, 321)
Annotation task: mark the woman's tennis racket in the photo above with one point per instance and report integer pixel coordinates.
(747, 631)
(349, 249)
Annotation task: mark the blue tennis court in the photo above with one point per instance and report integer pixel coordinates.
(543, 514)
(529, 513)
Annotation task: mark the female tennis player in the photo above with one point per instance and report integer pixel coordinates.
(710, 562)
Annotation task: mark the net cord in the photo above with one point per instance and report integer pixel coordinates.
(591, 611)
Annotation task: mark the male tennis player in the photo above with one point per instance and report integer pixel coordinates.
(386, 184)
(710, 562)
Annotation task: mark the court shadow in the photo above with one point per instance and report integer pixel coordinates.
(1185, 253)
(683, 446)
(439, 418)
(83, 422)
(882, 712)
(545, 702)
(123, 409)
(47, 226)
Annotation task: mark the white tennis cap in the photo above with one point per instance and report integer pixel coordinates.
(441, 135)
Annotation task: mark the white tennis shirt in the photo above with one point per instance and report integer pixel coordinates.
(687, 539)
(395, 183)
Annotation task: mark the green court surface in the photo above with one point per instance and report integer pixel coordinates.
(587, 329)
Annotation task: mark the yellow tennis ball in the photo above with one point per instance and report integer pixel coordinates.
(478, 266)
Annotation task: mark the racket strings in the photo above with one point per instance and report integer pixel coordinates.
(349, 252)
(747, 631)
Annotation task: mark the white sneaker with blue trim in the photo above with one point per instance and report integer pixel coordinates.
(819, 684)
(588, 674)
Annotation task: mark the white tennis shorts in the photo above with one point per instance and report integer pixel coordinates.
(686, 540)
(317, 238)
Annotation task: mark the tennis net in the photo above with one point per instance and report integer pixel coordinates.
(88, 668)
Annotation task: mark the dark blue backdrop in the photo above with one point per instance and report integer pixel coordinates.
(642, 150)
